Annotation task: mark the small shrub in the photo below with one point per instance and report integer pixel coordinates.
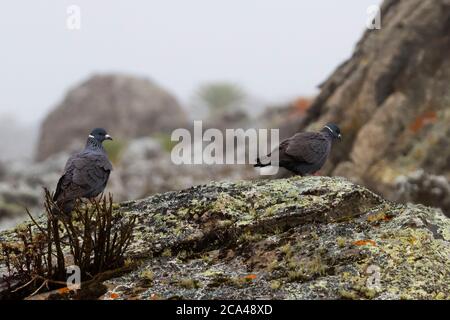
(274, 265)
(148, 276)
(287, 250)
(306, 269)
(189, 283)
(94, 238)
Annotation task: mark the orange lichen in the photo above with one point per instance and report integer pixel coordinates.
(365, 242)
(422, 120)
(114, 295)
(301, 105)
(250, 277)
(63, 290)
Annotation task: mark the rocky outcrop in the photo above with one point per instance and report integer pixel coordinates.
(128, 107)
(297, 238)
(392, 98)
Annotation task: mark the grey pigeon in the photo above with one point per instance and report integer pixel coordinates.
(305, 152)
(85, 174)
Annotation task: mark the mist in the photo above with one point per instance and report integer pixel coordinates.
(275, 50)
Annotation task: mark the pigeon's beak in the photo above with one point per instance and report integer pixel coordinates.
(339, 136)
(108, 137)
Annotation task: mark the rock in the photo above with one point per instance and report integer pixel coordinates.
(297, 238)
(22, 186)
(420, 187)
(391, 98)
(285, 117)
(128, 107)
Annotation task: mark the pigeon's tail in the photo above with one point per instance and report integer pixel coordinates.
(260, 164)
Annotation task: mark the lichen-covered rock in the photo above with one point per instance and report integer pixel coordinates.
(297, 238)
(391, 99)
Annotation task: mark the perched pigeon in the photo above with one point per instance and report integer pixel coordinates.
(85, 174)
(305, 152)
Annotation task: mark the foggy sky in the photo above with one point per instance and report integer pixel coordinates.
(276, 49)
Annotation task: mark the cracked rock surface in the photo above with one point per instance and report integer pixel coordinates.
(297, 238)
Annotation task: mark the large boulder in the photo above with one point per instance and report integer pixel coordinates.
(392, 99)
(126, 106)
(297, 238)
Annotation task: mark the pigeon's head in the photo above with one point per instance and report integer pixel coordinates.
(100, 135)
(334, 130)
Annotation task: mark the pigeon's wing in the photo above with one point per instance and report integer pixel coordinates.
(307, 146)
(59, 188)
(65, 180)
(86, 175)
(91, 172)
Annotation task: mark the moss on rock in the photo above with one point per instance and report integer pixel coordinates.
(297, 238)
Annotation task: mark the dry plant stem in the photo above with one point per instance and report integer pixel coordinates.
(25, 285)
(35, 223)
(44, 283)
(95, 236)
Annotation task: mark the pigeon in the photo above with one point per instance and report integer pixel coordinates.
(305, 152)
(85, 174)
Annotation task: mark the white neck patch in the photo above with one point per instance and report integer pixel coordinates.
(329, 129)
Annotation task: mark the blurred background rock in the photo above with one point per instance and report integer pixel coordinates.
(391, 99)
(131, 107)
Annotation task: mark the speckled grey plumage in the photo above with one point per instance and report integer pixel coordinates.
(86, 173)
(305, 152)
